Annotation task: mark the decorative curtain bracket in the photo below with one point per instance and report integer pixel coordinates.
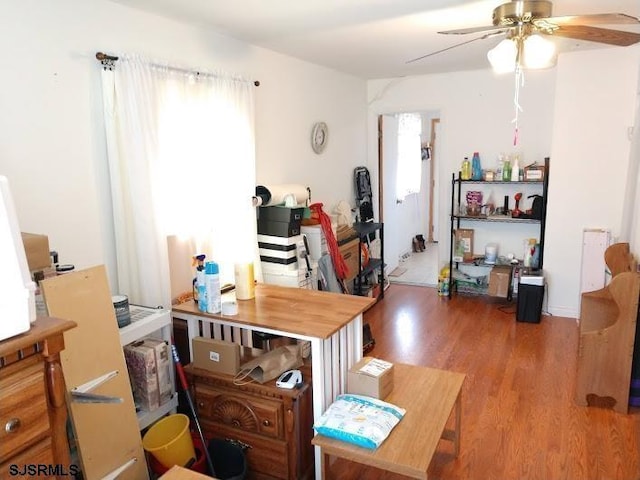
(108, 62)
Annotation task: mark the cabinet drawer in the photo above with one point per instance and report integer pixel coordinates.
(268, 457)
(241, 412)
(23, 410)
(25, 464)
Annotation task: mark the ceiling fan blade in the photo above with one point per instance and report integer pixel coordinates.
(464, 31)
(600, 35)
(596, 19)
(483, 37)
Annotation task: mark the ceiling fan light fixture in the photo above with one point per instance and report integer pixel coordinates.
(539, 52)
(503, 56)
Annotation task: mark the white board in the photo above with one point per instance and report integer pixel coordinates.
(593, 274)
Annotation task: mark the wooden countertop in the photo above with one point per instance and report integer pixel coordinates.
(299, 311)
(43, 328)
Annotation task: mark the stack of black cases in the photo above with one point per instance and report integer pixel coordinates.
(283, 255)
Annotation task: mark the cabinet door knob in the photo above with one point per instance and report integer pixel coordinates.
(12, 425)
(266, 423)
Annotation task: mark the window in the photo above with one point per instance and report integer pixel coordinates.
(409, 155)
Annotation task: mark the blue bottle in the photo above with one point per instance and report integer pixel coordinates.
(476, 168)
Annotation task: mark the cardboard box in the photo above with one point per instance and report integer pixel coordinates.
(350, 252)
(36, 247)
(500, 281)
(180, 473)
(534, 173)
(163, 367)
(371, 377)
(216, 355)
(463, 245)
(141, 364)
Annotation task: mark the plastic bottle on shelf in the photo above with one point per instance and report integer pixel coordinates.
(465, 173)
(212, 283)
(476, 168)
(515, 168)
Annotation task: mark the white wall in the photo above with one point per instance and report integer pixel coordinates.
(577, 113)
(594, 108)
(52, 142)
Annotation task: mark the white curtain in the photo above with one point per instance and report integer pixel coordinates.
(181, 156)
(409, 155)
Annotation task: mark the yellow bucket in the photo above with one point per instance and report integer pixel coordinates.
(169, 441)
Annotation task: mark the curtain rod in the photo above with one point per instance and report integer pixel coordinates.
(109, 60)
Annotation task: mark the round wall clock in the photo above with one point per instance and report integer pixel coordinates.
(319, 137)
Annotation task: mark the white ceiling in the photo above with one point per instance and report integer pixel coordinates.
(369, 38)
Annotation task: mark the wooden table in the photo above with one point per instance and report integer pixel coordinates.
(429, 396)
(331, 322)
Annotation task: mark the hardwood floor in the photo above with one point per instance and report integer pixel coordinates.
(519, 420)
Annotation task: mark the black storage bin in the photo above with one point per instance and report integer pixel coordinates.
(529, 303)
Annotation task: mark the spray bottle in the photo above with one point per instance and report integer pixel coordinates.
(198, 262)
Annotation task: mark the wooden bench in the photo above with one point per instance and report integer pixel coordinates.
(608, 320)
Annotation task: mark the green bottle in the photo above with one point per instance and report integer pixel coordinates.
(506, 171)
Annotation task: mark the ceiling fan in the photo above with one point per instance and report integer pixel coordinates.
(521, 19)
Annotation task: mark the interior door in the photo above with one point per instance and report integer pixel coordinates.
(417, 213)
(390, 208)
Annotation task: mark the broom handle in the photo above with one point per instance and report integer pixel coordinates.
(185, 388)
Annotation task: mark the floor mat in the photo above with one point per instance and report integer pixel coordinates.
(397, 272)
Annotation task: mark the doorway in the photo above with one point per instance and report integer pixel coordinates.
(416, 214)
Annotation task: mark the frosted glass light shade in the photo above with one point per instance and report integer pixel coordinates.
(503, 56)
(539, 52)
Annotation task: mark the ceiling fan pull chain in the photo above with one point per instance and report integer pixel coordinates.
(519, 78)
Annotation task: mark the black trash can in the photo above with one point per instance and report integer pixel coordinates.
(530, 296)
(228, 459)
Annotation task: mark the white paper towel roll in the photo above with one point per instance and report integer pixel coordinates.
(267, 195)
(245, 283)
